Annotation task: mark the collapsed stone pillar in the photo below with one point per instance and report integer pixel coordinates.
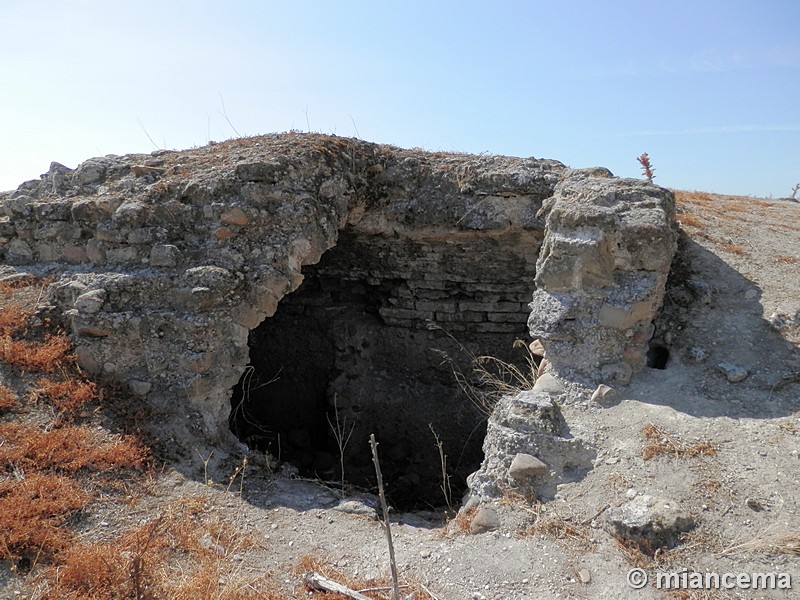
(600, 281)
(601, 275)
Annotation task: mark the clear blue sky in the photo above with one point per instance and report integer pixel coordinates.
(711, 89)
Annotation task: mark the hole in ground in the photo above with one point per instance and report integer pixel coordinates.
(657, 357)
(327, 371)
(342, 359)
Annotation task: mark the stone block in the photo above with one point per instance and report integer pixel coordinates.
(234, 216)
(604, 394)
(95, 252)
(527, 466)
(460, 317)
(165, 255)
(91, 302)
(73, 254)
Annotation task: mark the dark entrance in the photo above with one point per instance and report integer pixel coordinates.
(327, 370)
(368, 344)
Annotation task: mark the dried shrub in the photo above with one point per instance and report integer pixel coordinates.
(69, 394)
(688, 220)
(13, 319)
(177, 555)
(638, 553)
(68, 449)
(10, 286)
(124, 568)
(734, 249)
(789, 260)
(39, 357)
(661, 443)
(8, 398)
(647, 167)
(464, 518)
(32, 512)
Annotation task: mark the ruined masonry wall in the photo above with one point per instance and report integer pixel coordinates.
(163, 263)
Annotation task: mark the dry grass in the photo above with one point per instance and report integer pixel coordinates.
(687, 197)
(734, 249)
(8, 398)
(773, 543)
(548, 523)
(491, 378)
(689, 220)
(182, 554)
(33, 511)
(785, 258)
(68, 394)
(67, 449)
(659, 442)
(565, 530)
(719, 202)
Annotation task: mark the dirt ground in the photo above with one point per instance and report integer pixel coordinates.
(742, 258)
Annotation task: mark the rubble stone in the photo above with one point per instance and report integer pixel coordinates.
(485, 519)
(525, 466)
(650, 522)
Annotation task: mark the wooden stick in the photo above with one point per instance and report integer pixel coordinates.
(320, 582)
(427, 591)
(386, 527)
(595, 515)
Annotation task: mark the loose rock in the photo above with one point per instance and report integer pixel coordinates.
(485, 519)
(525, 466)
(603, 394)
(649, 522)
(733, 373)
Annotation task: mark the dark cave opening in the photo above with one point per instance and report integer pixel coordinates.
(326, 363)
(368, 344)
(657, 357)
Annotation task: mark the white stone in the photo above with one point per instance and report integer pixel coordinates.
(91, 302)
(604, 394)
(547, 382)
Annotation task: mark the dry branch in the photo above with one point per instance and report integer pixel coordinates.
(385, 523)
(322, 583)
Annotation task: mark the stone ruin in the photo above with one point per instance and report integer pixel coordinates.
(277, 289)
